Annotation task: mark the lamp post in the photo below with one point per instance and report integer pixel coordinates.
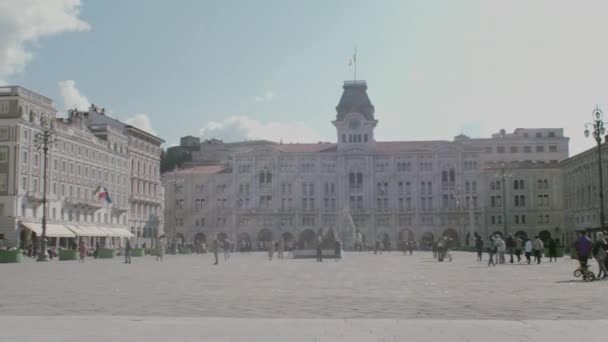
(596, 128)
(43, 140)
(503, 176)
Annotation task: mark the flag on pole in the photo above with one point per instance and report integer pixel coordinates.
(103, 193)
(353, 59)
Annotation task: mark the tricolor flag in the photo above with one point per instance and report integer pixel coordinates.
(353, 59)
(102, 192)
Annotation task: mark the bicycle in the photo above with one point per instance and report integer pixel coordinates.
(585, 273)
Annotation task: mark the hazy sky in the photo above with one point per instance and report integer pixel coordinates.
(274, 69)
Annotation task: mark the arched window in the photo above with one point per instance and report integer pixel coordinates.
(452, 176)
(444, 176)
(365, 137)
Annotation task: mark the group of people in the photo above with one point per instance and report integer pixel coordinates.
(598, 250)
(498, 247)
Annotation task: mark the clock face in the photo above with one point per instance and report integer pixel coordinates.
(354, 124)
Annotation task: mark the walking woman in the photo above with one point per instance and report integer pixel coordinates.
(599, 253)
(160, 248)
(82, 250)
(479, 246)
(492, 249)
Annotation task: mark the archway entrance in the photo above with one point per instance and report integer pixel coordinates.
(222, 237)
(385, 239)
(360, 243)
(452, 237)
(289, 239)
(200, 237)
(427, 240)
(406, 235)
(545, 236)
(522, 235)
(307, 239)
(180, 238)
(244, 242)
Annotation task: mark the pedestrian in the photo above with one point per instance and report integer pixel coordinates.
(128, 252)
(583, 248)
(538, 249)
(281, 248)
(320, 248)
(510, 246)
(378, 249)
(411, 246)
(96, 253)
(518, 247)
(528, 250)
(502, 248)
(492, 250)
(270, 247)
(226, 246)
(552, 245)
(82, 250)
(216, 250)
(599, 253)
(479, 246)
(338, 250)
(160, 248)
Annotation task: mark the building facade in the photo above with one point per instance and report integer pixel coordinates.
(88, 156)
(581, 191)
(360, 188)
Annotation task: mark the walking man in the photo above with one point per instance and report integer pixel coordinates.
(528, 250)
(510, 247)
(479, 246)
(82, 249)
(319, 248)
(518, 247)
(128, 252)
(538, 249)
(552, 249)
(492, 249)
(216, 250)
(281, 248)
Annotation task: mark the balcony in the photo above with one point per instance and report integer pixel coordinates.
(36, 197)
(84, 204)
(144, 199)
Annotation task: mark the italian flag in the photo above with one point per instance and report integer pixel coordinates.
(102, 193)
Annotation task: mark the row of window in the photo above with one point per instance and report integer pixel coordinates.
(525, 149)
(521, 219)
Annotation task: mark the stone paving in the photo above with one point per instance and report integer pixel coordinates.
(361, 286)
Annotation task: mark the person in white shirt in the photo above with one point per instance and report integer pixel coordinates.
(528, 250)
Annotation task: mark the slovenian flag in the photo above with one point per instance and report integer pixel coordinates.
(103, 193)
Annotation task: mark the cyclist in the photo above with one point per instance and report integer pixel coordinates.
(583, 249)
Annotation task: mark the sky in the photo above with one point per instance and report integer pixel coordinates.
(273, 69)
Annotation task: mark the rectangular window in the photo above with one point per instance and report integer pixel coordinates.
(4, 133)
(500, 149)
(540, 148)
(3, 154)
(552, 148)
(3, 181)
(514, 149)
(3, 107)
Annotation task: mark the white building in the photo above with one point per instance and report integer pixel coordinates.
(87, 153)
(397, 190)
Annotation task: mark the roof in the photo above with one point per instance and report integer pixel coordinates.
(306, 148)
(520, 165)
(355, 100)
(407, 146)
(199, 170)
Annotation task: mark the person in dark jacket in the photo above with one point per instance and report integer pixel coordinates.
(128, 252)
(552, 245)
(583, 248)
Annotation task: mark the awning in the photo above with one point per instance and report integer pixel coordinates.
(87, 230)
(52, 230)
(117, 232)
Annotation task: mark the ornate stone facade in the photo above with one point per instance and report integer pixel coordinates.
(392, 191)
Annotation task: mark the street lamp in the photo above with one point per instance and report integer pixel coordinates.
(503, 176)
(596, 127)
(43, 140)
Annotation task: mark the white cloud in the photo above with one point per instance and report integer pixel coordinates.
(267, 97)
(23, 22)
(141, 121)
(238, 128)
(72, 98)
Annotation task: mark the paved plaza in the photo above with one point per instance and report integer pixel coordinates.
(363, 286)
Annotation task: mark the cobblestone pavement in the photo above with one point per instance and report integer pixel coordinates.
(362, 286)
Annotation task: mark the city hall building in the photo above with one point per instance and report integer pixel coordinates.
(91, 153)
(361, 189)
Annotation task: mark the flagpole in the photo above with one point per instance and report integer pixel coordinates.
(355, 64)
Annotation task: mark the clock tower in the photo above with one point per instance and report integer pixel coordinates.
(355, 120)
